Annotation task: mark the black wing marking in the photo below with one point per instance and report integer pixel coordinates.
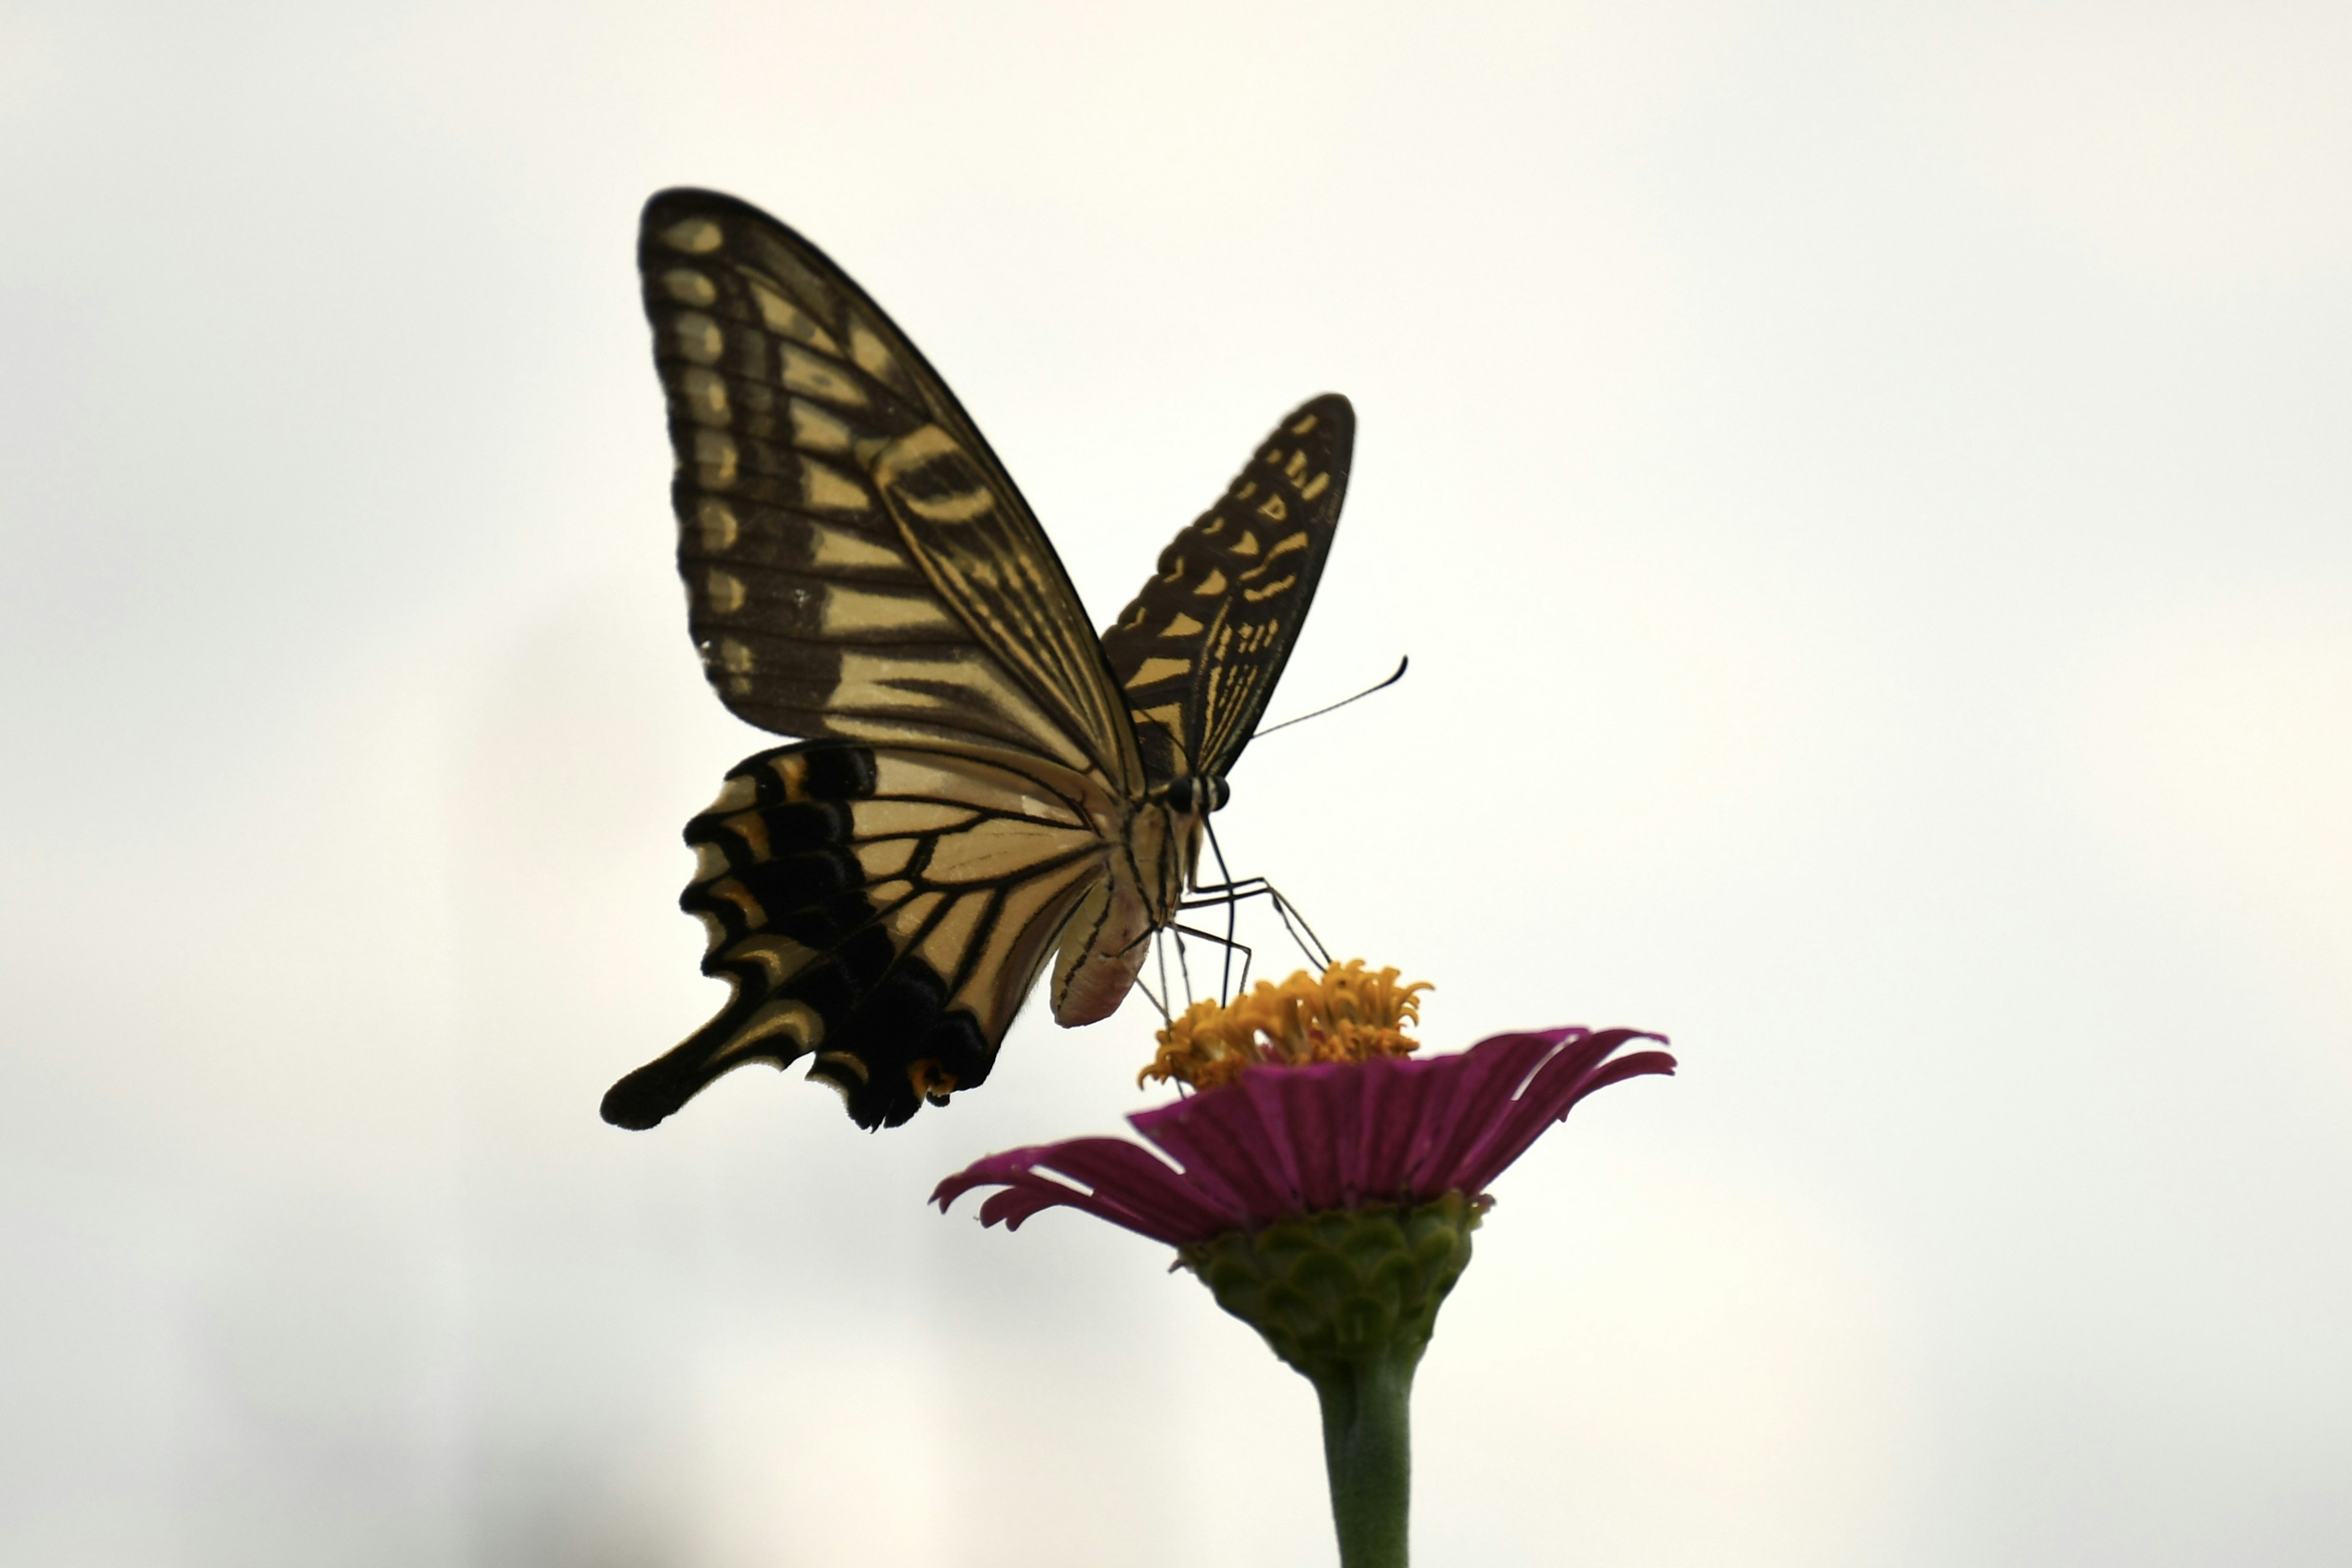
(883, 909)
(1197, 652)
(857, 562)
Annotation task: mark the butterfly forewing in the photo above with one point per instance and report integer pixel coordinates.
(833, 499)
(1196, 654)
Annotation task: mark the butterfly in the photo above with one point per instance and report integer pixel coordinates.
(983, 784)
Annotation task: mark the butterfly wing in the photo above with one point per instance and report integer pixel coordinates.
(883, 908)
(857, 562)
(860, 570)
(1198, 651)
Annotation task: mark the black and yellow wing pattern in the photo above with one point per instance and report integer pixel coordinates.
(1197, 652)
(981, 782)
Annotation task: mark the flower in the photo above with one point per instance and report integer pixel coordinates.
(1323, 1184)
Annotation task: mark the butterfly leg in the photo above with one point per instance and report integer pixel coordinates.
(1165, 1002)
(1225, 981)
(1174, 934)
(1229, 894)
(1230, 947)
(1184, 966)
(1293, 921)
(1310, 944)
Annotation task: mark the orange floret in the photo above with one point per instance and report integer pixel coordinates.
(1350, 1014)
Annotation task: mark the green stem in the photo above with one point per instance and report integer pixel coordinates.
(1368, 1449)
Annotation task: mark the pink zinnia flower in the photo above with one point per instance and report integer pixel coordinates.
(1324, 1183)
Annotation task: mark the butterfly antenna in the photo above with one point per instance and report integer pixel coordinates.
(1335, 706)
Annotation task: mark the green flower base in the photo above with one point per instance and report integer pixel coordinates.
(1333, 1290)
(1349, 1298)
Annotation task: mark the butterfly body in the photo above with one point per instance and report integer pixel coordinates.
(986, 786)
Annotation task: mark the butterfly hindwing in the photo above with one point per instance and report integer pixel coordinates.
(883, 908)
(1197, 652)
(857, 564)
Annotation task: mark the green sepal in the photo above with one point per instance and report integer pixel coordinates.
(1337, 1290)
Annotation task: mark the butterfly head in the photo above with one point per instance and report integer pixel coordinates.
(1193, 796)
(1187, 801)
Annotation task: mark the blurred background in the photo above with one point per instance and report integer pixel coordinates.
(1863, 488)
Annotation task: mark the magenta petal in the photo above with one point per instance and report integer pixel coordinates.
(1483, 1096)
(1574, 1072)
(1322, 1119)
(1491, 1078)
(1008, 1206)
(1293, 1140)
(993, 1169)
(1555, 1084)
(1219, 1133)
(1126, 1186)
(1635, 1066)
(1546, 1071)
(1277, 1140)
(1165, 1126)
(1391, 1118)
(1129, 1179)
(1296, 1110)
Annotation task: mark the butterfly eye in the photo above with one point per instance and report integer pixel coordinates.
(1192, 792)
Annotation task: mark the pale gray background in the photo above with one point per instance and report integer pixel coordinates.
(1866, 492)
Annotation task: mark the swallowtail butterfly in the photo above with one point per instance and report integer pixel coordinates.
(983, 784)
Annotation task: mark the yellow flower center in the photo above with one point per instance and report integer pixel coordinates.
(1350, 1014)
